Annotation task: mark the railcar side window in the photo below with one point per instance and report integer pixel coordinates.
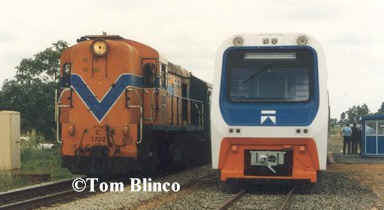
(269, 75)
(65, 80)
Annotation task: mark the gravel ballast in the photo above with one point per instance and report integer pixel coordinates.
(333, 191)
(131, 200)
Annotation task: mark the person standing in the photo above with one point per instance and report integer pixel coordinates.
(346, 132)
(358, 145)
(356, 135)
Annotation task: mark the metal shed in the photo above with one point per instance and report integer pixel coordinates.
(372, 136)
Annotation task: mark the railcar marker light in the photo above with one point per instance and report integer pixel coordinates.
(270, 56)
(238, 41)
(234, 148)
(302, 40)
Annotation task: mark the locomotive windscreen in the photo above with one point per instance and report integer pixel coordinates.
(275, 75)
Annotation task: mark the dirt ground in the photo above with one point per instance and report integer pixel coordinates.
(369, 172)
(371, 175)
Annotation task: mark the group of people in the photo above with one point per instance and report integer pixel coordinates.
(352, 139)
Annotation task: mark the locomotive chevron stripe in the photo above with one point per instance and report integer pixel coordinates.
(100, 108)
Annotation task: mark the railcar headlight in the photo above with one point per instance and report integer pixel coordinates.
(302, 40)
(238, 41)
(99, 47)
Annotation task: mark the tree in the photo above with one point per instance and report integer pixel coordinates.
(332, 122)
(381, 109)
(342, 117)
(32, 91)
(355, 113)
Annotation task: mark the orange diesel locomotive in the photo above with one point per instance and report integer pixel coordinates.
(121, 107)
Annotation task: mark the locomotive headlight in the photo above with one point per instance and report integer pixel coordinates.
(99, 47)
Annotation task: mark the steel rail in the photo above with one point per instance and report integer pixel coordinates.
(230, 201)
(35, 194)
(287, 202)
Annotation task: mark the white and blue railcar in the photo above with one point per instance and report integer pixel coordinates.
(269, 110)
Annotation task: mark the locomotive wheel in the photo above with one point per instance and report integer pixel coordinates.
(151, 163)
(230, 186)
(166, 158)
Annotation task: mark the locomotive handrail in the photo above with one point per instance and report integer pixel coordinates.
(57, 110)
(152, 99)
(57, 118)
(201, 111)
(140, 107)
(63, 105)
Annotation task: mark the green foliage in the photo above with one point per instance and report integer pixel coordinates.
(32, 91)
(354, 114)
(332, 122)
(381, 109)
(7, 182)
(342, 117)
(41, 161)
(34, 161)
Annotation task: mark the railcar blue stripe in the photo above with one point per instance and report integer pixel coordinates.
(100, 108)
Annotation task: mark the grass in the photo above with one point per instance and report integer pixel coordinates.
(37, 165)
(335, 140)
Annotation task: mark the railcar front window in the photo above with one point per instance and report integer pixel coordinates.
(255, 75)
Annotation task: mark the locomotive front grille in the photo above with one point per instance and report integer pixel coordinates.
(268, 163)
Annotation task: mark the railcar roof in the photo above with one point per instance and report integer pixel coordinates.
(373, 117)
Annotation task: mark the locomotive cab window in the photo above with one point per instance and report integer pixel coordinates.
(149, 75)
(163, 76)
(270, 75)
(65, 80)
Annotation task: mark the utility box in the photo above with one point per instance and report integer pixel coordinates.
(9, 140)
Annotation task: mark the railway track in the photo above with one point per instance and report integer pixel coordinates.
(37, 195)
(170, 197)
(57, 192)
(285, 205)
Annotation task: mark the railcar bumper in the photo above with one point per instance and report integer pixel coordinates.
(299, 162)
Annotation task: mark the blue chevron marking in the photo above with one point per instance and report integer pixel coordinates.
(100, 108)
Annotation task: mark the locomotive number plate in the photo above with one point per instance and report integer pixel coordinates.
(99, 139)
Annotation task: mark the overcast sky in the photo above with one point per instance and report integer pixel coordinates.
(189, 33)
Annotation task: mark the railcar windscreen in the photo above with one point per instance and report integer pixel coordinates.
(276, 75)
